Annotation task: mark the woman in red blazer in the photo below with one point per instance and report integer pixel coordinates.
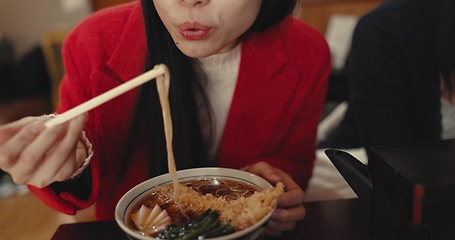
(248, 84)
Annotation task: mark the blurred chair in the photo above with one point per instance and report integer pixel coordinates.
(51, 43)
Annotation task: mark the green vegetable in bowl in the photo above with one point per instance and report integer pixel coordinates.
(206, 225)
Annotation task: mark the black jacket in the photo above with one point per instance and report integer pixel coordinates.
(394, 83)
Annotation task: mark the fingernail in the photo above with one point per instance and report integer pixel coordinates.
(275, 177)
(36, 127)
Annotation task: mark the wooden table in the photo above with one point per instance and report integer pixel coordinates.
(336, 219)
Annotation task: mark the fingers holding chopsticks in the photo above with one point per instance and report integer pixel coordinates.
(36, 155)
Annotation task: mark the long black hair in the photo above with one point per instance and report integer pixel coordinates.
(186, 93)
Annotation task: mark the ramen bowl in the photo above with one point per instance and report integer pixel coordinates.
(133, 197)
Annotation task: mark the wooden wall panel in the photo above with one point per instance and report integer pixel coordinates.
(318, 12)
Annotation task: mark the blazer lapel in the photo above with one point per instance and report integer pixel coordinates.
(261, 96)
(128, 59)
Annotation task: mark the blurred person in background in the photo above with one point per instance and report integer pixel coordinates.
(401, 73)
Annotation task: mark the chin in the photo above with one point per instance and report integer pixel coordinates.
(197, 53)
(197, 50)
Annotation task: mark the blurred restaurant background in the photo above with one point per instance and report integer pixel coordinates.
(31, 34)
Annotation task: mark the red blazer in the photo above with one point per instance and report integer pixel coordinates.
(274, 114)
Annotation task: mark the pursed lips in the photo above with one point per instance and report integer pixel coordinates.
(194, 30)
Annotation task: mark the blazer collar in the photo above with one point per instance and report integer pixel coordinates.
(266, 50)
(128, 59)
(264, 89)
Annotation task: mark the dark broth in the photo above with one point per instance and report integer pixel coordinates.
(226, 188)
(218, 187)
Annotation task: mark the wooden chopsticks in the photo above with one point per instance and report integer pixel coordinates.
(156, 72)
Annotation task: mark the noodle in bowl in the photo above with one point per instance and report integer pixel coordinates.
(129, 203)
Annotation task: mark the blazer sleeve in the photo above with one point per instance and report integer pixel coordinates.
(69, 197)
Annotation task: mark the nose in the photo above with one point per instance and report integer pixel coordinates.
(195, 2)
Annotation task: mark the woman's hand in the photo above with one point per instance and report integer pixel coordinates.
(290, 205)
(35, 155)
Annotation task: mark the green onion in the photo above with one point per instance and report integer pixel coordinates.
(206, 225)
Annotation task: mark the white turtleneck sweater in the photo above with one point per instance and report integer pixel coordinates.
(221, 71)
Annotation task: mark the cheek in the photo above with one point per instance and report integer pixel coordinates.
(164, 11)
(239, 23)
(244, 16)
